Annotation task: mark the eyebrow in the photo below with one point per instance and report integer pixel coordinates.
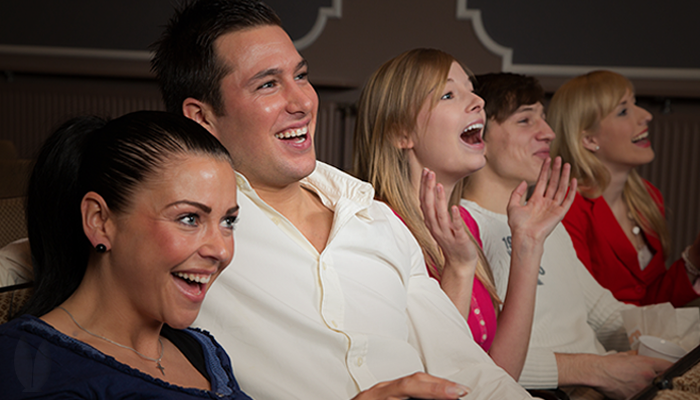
(203, 207)
(275, 71)
(528, 108)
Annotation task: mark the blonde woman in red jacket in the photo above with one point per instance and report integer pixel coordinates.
(617, 220)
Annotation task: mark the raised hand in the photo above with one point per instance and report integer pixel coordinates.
(419, 386)
(450, 233)
(547, 205)
(448, 228)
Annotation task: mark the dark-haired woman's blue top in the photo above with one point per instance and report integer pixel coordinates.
(39, 362)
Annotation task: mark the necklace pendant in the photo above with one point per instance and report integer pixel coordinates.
(160, 367)
(636, 230)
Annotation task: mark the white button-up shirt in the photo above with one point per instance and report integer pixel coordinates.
(302, 325)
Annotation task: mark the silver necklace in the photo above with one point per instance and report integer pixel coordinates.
(155, 360)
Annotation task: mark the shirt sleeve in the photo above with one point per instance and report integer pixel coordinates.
(540, 370)
(603, 312)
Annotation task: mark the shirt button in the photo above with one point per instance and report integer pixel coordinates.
(477, 311)
(483, 337)
(359, 361)
(335, 324)
(482, 322)
(324, 266)
(275, 220)
(639, 289)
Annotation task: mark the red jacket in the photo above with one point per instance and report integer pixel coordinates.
(604, 249)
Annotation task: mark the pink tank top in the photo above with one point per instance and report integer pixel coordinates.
(482, 314)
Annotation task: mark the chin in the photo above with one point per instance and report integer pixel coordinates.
(182, 319)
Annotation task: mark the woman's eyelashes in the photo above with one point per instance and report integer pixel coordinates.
(190, 219)
(447, 96)
(229, 222)
(194, 219)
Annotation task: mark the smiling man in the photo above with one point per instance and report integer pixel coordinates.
(328, 293)
(576, 320)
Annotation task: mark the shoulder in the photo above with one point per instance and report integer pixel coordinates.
(333, 183)
(483, 217)
(581, 208)
(472, 225)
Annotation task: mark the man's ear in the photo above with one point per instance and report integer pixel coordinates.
(97, 223)
(589, 142)
(200, 112)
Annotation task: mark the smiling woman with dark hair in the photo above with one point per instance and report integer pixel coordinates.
(130, 222)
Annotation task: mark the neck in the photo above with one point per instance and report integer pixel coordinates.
(489, 190)
(303, 208)
(288, 201)
(613, 193)
(98, 307)
(448, 183)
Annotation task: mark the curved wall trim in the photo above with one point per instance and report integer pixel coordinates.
(335, 11)
(506, 53)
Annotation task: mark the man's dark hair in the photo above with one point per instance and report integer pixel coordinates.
(504, 93)
(185, 60)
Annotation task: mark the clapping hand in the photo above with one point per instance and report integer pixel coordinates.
(548, 204)
(446, 227)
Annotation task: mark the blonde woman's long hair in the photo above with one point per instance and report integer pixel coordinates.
(577, 107)
(388, 109)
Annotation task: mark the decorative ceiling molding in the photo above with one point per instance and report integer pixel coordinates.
(507, 65)
(335, 11)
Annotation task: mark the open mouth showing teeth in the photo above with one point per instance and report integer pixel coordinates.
(641, 137)
(472, 134)
(196, 282)
(297, 135)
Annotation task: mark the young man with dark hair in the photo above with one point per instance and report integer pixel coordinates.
(576, 319)
(328, 292)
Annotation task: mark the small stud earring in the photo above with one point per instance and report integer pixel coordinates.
(100, 248)
(597, 148)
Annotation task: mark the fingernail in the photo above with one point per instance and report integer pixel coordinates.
(457, 390)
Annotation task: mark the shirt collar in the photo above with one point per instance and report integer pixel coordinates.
(331, 185)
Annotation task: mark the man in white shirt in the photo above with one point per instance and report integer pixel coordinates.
(327, 294)
(575, 318)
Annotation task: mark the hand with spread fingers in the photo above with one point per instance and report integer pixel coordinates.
(548, 204)
(530, 224)
(449, 231)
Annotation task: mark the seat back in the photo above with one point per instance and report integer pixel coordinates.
(13, 298)
(13, 224)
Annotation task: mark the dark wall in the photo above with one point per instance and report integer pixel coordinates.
(627, 33)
